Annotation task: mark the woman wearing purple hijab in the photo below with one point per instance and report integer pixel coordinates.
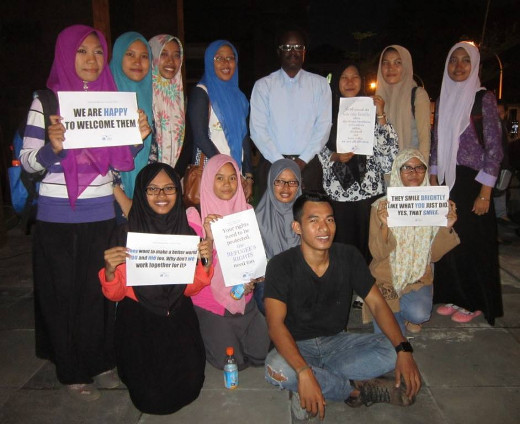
(74, 221)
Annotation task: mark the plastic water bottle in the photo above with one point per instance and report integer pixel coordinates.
(230, 370)
(237, 291)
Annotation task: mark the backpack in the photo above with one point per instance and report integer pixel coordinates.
(24, 185)
(505, 174)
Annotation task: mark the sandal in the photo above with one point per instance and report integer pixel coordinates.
(107, 380)
(447, 309)
(83, 392)
(413, 328)
(463, 315)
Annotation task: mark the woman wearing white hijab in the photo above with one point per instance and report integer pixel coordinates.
(402, 256)
(469, 163)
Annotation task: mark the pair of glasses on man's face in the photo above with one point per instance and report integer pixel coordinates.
(155, 191)
(419, 169)
(222, 59)
(283, 183)
(289, 47)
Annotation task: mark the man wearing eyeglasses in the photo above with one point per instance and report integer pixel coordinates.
(291, 114)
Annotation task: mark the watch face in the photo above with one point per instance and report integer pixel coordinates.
(404, 347)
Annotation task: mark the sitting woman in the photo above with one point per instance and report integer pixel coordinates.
(225, 321)
(159, 350)
(402, 256)
(275, 216)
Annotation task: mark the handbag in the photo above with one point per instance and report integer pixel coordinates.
(191, 183)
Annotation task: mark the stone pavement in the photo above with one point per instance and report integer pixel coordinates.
(471, 372)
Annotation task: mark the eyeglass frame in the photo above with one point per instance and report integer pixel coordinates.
(283, 183)
(155, 191)
(288, 47)
(222, 59)
(419, 169)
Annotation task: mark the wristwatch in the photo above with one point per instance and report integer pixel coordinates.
(404, 347)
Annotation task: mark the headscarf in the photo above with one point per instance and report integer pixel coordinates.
(142, 219)
(211, 204)
(397, 97)
(82, 166)
(274, 217)
(168, 104)
(455, 104)
(354, 170)
(228, 102)
(143, 89)
(412, 254)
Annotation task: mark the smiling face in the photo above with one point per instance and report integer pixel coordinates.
(391, 67)
(459, 65)
(292, 61)
(170, 60)
(225, 63)
(226, 182)
(350, 82)
(283, 193)
(316, 226)
(416, 177)
(136, 61)
(161, 203)
(89, 59)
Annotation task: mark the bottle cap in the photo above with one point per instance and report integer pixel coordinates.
(15, 162)
(230, 351)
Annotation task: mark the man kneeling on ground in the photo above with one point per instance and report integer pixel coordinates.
(308, 293)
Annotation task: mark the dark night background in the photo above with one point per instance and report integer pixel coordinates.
(337, 29)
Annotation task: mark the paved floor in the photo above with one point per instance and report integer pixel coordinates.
(471, 372)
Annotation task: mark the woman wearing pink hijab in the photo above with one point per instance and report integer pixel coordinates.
(223, 320)
(74, 221)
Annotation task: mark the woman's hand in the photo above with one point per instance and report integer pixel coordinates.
(206, 251)
(212, 217)
(144, 126)
(452, 214)
(56, 133)
(114, 257)
(341, 157)
(481, 203)
(247, 185)
(249, 287)
(382, 212)
(433, 180)
(379, 104)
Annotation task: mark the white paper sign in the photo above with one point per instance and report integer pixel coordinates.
(356, 120)
(418, 206)
(160, 259)
(99, 118)
(240, 248)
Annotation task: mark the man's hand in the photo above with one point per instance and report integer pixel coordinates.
(406, 367)
(311, 397)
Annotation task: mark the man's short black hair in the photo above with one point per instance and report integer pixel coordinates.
(283, 33)
(308, 196)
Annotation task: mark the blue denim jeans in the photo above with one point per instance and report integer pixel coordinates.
(335, 360)
(416, 307)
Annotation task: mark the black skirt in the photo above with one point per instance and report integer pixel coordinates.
(469, 275)
(161, 359)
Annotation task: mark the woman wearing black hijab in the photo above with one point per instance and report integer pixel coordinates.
(159, 351)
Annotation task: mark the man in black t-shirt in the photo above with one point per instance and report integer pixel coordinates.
(308, 293)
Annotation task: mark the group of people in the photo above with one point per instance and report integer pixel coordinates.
(322, 215)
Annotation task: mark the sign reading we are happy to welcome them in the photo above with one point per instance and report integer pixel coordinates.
(99, 118)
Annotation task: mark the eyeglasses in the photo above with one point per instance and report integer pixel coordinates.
(289, 47)
(283, 183)
(155, 191)
(419, 169)
(222, 59)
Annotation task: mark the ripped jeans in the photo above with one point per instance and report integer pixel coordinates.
(335, 360)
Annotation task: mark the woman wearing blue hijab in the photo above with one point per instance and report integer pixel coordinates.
(130, 66)
(217, 111)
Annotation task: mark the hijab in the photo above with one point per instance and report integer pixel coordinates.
(354, 170)
(455, 104)
(408, 261)
(143, 90)
(397, 96)
(168, 104)
(142, 219)
(211, 204)
(228, 102)
(274, 217)
(82, 166)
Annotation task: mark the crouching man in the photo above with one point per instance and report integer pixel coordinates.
(308, 293)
